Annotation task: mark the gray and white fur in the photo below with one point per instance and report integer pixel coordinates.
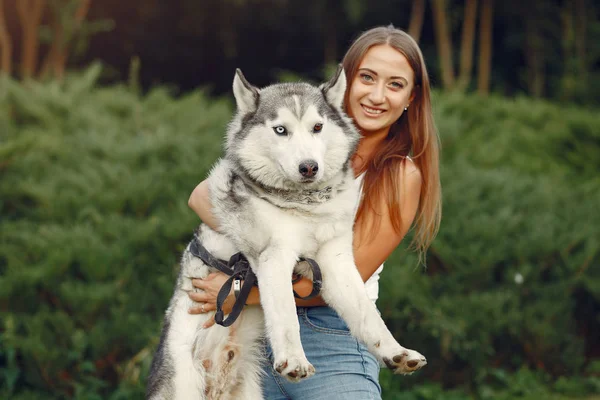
(285, 189)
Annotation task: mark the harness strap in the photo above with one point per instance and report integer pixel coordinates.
(238, 267)
(199, 251)
(317, 279)
(241, 270)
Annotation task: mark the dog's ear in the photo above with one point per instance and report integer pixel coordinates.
(246, 95)
(335, 89)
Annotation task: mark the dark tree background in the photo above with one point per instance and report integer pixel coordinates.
(542, 48)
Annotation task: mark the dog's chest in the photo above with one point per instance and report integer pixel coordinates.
(327, 231)
(302, 230)
(305, 236)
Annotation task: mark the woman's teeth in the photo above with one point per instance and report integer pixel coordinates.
(372, 110)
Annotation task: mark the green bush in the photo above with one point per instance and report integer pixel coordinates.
(513, 278)
(94, 186)
(94, 183)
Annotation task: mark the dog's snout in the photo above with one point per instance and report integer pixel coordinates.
(308, 168)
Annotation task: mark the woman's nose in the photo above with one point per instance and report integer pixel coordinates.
(377, 94)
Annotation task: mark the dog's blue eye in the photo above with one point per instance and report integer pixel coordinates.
(280, 130)
(317, 128)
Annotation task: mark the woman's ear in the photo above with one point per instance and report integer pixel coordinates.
(412, 95)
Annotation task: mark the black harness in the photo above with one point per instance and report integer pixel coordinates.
(238, 268)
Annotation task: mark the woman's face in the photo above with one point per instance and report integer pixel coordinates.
(380, 90)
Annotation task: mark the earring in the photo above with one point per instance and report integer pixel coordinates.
(406, 108)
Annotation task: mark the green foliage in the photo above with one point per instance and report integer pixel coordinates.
(523, 384)
(512, 279)
(94, 184)
(93, 189)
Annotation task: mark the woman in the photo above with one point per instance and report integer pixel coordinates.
(397, 164)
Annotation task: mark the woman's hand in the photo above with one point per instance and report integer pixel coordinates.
(211, 285)
(207, 300)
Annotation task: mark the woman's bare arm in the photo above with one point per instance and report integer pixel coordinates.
(371, 251)
(199, 201)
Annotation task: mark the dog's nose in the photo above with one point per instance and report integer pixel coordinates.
(308, 168)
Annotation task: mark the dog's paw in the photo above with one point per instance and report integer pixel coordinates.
(406, 362)
(294, 369)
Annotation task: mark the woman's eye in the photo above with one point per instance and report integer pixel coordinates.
(366, 77)
(397, 85)
(317, 128)
(280, 130)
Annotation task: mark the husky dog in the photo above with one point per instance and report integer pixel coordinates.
(284, 190)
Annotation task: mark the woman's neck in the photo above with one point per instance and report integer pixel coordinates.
(366, 150)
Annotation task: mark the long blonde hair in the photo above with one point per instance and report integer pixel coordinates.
(413, 134)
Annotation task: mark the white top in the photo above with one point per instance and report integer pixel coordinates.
(372, 284)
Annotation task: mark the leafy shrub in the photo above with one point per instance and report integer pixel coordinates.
(94, 186)
(512, 279)
(93, 189)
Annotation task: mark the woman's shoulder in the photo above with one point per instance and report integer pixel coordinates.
(410, 169)
(409, 181)
(406, 179)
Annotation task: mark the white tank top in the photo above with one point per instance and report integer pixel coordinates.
(372, 284)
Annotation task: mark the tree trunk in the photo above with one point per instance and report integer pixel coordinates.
(329, 26)
(60, 62)
(569, 73)
(534, 57)
(330, 41)
(57, 38)
(444, 43)
(5, 44)
(485, 47)
(580, 15)
(30, 14)
(466, 46)
(56, 60)
(417, 15)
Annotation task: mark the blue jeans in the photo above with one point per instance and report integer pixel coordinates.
(345, 368)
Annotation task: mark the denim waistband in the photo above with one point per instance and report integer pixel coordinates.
(317, 309)
(320, 310)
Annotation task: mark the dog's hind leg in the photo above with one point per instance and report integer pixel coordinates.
(344, 290)
(249, 370)
(221, 372)
(187, 377)
(188, 380)
(235, 358)
(249, 388)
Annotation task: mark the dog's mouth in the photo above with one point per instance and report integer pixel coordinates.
(308, 180)
(298, 179)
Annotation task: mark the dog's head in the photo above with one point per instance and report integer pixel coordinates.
(291, 135)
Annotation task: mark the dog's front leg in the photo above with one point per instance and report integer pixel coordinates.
(274, 271)
(344, 290)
